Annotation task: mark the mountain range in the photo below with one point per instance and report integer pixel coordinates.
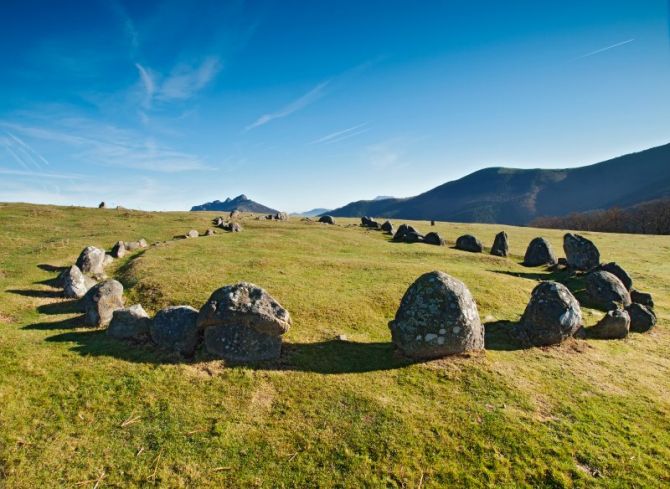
(240, 203)
(517, 196)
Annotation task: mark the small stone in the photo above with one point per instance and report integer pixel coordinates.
(643, 298)
(552, 314)
(434, 238)
(642, 319)
(119, 249)
(618, 271)
(192, 234)
(91, 261)
(614, 325)
(606, 291)
(327, 220)
(132, 323)
(539, 252)
(75, 284)
(101, 301)
(467, 242)
(175, 329)
(500, 245)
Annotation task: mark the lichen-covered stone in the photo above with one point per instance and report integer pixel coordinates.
(75, 284)
(552, 315)
(101, 301)
(606, 291)
(437, 317)
(467, 242)
(580, 252)
(175, 329)
(539, 252)
(91, 261)
(642, 319)
(500, 244)
(132, 323)
(614, 325)
(243, 323)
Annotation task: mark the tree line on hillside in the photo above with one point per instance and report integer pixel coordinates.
(648, 218)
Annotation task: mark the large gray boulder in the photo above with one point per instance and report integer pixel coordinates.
(175, 329)
(243, 323)
(387, 227)
(642, 318)
(119, 249)
(618, 271)
(580, 252)
(327, 219)
(539, 252)
(606, 291)
(552, 315)
(500, 244)
(614, 325)
(434, 238)
(91, 261)
(467, 242)
(101, 301)
(75, 284)
(132, 323)
(437, 317)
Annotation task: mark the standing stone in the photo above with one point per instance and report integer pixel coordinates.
(467, 242)
(437, 317)
(91, 261)
(643, 298)
(243, 323)
(580, 252)
(387, 227)
(616, 270)
(102, 205)
(217, 221)
(642, 319)
(174, 329)
(132, 323)
(327, 219)
(614, 325)
(119, 249)
(132, 245)
(209, 232)
(281, 216)
(75, 284)
(434, 239)
(192, 234)
(552, 315)
(143, 243)
(101, 301)
(606, 291)
(402, 231)
(413, 237)
(234, 214)
(500, 244)
(432, 223)
(539, 253)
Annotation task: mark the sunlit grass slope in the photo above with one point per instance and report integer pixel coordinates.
(76, 406)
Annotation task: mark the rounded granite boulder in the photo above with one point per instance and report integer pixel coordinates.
(437, 317)
(552, 314)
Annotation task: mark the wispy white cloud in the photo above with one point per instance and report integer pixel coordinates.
(602, 50)
(182, 83)
(21, 152)
(336, 136)
(34, 174)
(93, 143)
(300, 103)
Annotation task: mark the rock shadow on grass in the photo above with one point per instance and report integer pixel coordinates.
(39, 293)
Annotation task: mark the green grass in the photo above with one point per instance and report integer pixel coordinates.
(76, 406)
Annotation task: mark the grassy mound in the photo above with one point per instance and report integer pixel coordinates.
(76, 406)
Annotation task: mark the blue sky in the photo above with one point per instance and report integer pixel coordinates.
(163, 105)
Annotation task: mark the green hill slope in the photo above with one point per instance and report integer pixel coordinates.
(77, 407)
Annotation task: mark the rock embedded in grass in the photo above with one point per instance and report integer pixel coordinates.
(618, 271)
(175, 329)
(209, 232)
(538, 253)
(468, 242)
(327, 220)
(243, 323)
(614, 325)
(101, 301)
(387, 227)
(75, 283)
(192, 234)
(642, 318)
(132, 323)
(437, 317)
(580, 252)
(119, 249)
(408, 234)
(552, 314)
(605, 291)
(643, 298)
(434, 238)
(91, 261)
(500, 245)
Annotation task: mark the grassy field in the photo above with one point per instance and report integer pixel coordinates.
(78, 409)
